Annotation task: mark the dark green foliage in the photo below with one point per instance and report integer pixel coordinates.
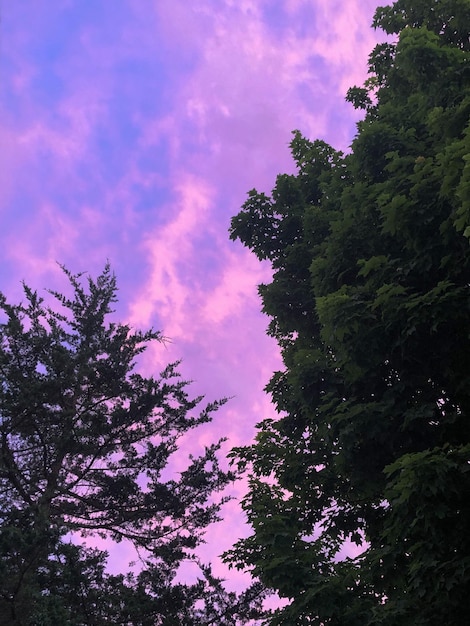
(370, 304)
(85, 447)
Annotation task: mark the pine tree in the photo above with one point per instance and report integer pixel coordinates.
(86, 444)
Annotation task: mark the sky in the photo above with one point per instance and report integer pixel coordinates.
(131, 131)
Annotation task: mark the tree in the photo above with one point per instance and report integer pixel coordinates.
(369, 302)
(85, 451)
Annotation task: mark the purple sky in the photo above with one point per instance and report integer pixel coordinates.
(131, 130)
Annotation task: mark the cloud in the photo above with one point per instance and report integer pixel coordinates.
(234, 291)
(172, 250)
(132, 131)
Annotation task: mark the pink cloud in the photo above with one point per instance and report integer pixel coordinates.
(165, 114)
(233, 292)
(168, 247)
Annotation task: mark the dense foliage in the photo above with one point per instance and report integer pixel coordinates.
(370, 304)
(85, 451)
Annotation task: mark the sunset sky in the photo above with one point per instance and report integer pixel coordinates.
(132, 130)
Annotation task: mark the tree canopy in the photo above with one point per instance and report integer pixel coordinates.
(85, 451)
(359, 489)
